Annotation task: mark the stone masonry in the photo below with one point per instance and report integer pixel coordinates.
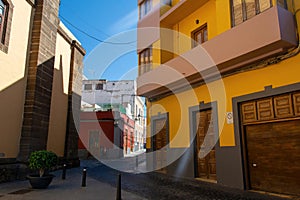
(39, 78)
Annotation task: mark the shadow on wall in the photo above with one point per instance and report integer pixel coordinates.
(59, 111)
(12, 104)
(48, 124)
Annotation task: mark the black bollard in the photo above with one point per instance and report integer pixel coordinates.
(136, 162)
(83, 182)
(63, 176)
(118, 197)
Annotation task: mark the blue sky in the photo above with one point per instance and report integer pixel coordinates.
(112, 21)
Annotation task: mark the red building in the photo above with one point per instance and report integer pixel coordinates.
(105, 134)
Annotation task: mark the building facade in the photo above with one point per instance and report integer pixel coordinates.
(100, 135)
(221, 78)
(109, 92)
(41, 66)
(119, 96)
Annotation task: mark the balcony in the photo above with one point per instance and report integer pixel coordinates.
(165, 15)
(148, 29)
(180, 11)
(268, 34)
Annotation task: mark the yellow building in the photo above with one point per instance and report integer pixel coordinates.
(40, 85)
(222, 83)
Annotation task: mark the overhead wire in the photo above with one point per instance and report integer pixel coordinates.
(93, 37)
(118, 42)
(85, 21)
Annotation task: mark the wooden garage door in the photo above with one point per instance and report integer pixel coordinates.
(274, 156)
(206, 166)
(160, 143)
(272, 142)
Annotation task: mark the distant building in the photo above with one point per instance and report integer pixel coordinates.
(100, 135)
(40, 85)
(118, 96)
(109, 92)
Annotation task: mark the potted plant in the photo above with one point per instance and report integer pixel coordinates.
(42, 161)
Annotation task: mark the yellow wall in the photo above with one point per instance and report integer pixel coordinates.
(216, 13)
(223, 17)
(59, 103)
(13, 81)
(205, 14)
(284, 73)
(156, 60)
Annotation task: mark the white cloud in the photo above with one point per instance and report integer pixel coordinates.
(127, 22)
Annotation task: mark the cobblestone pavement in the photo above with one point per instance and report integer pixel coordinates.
(102, 181)
(159, 186)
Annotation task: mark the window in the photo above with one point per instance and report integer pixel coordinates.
(199, 35)
(99, 86)
(145, 7)
(243, 10)
(145, 60)
(2, 19)
(6, 9)
(88, 87)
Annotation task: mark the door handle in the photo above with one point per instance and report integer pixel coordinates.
(254, 165)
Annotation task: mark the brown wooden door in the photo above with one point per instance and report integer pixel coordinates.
(160, 143)
(274, 156)
(206, 166)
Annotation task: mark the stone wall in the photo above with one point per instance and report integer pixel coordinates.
(39, 78)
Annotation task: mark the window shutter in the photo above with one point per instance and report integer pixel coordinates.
(142, 60)
(250, 8)
(238, 11)
(264, 5)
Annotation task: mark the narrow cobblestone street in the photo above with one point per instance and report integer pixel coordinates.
(159, 186)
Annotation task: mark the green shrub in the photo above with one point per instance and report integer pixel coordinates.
(42, 160)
